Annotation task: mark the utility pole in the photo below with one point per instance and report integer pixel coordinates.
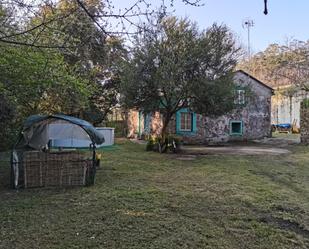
(248, 24)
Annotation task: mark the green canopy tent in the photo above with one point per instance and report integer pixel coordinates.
(39, 132)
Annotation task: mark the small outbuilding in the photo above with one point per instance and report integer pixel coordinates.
(37, 161)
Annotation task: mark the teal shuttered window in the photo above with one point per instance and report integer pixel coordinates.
(185, 122)
(236, 128)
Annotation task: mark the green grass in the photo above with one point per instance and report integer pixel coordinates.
(286, 135)
(147, 200)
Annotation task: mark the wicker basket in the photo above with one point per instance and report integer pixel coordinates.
(42, 169)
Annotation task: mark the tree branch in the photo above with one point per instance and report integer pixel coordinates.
(33, 45)
(91, 16)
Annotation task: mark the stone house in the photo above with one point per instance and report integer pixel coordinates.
(250, 120)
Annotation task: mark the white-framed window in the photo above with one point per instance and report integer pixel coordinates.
(186, 121)
(240, 98)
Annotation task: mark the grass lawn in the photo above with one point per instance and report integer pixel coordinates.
(147, 200)
(286, 135)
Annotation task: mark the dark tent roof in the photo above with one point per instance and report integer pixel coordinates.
(94, 135)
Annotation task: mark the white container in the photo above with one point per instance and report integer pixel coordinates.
(70, 143)
(107, 132)
(109, 135)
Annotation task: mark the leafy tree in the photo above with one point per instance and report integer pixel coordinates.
(176, 66)
(7, 115)
(33, 83)
(106, 82)
(281, 65)
(72, 79)
(37, 82)
(93, 55)
(103, 98)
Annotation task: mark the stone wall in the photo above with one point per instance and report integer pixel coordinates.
(133, 123)
(136, 123)
(304, 122)
(255, 115)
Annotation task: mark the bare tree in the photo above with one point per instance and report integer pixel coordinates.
(109, 19)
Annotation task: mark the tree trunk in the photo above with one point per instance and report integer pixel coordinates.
(163, 143)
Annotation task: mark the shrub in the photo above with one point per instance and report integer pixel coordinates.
(150, 145)
(171, 143)
(305, 103)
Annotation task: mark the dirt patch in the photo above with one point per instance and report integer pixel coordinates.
(186, 157)
(280, 142)
(138, 141)
(4, 170)
(234, 150)
(289, 225)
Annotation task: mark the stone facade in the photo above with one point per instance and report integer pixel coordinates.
(255, 114)
(253, 118)
(304, 123)
(133, 124)
(137, 123)
(156, 124)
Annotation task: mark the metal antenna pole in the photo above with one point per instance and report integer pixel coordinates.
(249, 49)
(248, 24)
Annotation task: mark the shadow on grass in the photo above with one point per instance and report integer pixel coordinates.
(4, 170)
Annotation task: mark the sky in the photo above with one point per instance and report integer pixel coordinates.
(286, 20)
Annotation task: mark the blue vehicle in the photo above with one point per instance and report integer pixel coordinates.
(282, 127)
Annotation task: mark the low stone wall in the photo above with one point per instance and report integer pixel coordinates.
(304, 122)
